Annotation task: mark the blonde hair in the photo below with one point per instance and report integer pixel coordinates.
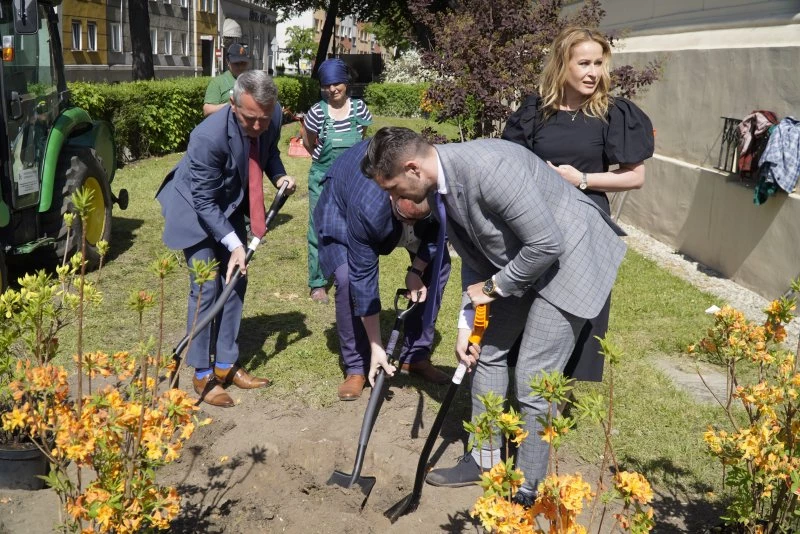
(554, 74)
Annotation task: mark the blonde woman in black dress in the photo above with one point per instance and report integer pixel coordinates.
(575, 125)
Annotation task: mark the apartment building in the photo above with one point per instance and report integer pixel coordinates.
(188, 36)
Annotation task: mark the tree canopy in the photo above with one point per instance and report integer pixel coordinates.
(300, 44)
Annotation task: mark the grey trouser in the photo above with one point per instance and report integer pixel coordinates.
(547, 342)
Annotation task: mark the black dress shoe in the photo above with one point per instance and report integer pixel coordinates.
(524, 499)
(465, 473)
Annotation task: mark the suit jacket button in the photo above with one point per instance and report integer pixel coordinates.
(233, 206)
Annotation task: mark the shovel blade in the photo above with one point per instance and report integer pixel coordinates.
(345, 480)
(406, 506)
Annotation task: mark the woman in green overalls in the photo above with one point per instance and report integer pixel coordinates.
(331, 126)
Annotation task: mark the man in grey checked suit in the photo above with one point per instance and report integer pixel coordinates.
(540, 251)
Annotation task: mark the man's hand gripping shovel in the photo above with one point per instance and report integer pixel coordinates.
(346, 480)
(277, 204)
(411, 502)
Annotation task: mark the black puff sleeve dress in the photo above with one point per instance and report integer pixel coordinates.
(590, 145)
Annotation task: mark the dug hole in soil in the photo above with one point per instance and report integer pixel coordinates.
(263, 466)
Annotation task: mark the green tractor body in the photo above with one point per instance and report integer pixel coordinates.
(50, 148)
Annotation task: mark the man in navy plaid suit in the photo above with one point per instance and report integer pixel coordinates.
(356, 223)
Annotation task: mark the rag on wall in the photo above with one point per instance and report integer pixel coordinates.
(753, 132)
(779, 166)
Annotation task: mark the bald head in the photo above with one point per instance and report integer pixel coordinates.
(408, 211)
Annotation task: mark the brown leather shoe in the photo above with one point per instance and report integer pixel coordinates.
(211, 391)
(352, 387)
(426, 371)
(239, 378)
(319, 294)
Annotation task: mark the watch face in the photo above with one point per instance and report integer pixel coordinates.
(488, 287)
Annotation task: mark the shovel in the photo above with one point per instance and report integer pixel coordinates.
(346, 480)
(410, 503)
(277, 204)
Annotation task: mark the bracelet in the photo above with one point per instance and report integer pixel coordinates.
(412, 269)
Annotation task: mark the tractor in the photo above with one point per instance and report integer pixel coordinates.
(50, 148)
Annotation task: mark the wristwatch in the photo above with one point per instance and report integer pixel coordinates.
(412, 269)
(584, 182)
(489, 288)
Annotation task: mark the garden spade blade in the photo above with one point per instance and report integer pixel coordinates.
(410, 502)
(346, 480)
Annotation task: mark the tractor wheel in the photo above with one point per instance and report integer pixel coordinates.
(79, 167)
(3, 270)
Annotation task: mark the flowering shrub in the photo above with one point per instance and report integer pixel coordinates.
(120, 430)
(761, 456)
(408, 69)
(560, 498)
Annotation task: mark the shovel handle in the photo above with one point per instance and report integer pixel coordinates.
(479, 326)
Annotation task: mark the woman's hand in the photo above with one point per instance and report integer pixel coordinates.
(568, 173)
(379, 359)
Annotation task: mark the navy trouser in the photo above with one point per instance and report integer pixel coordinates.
(353, 341)
(226, 325)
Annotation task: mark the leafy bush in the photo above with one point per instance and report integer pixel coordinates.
(560, 497)
(407, 69)
(119, 426)
(297, 93)
(156, 117)
(760, 458)
(395, 99)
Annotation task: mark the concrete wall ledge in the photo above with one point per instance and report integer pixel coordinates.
(709, 216)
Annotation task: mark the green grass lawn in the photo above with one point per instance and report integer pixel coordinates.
(292, 340)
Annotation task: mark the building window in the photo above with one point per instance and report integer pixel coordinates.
(154, 40)
(77, 35)
(91, 36)
(168, 42)
(167, 1)
(184, 44)
(116, 37)
(184, 3)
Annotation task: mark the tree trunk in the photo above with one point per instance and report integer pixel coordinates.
(325, 37)
(141, 47)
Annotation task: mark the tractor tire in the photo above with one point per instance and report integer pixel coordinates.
(3, 270)
(79, 167)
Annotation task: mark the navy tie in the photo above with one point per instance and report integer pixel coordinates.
(429, 315)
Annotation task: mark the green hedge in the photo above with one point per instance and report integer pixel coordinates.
(298, 93)
(155, 117)
(395, 99)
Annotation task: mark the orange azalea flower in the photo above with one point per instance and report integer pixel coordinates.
(520, 436)
(634, 486)
(548, 434)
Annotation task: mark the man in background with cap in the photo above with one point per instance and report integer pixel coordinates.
(219, 91)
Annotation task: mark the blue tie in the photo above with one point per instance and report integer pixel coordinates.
(429, 315)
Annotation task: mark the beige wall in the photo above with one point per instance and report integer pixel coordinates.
(708, 216)
(709, 73)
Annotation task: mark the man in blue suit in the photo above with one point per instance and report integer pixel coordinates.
(356, 222)
(204, 200)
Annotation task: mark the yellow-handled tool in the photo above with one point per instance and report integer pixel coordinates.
(411, 502)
